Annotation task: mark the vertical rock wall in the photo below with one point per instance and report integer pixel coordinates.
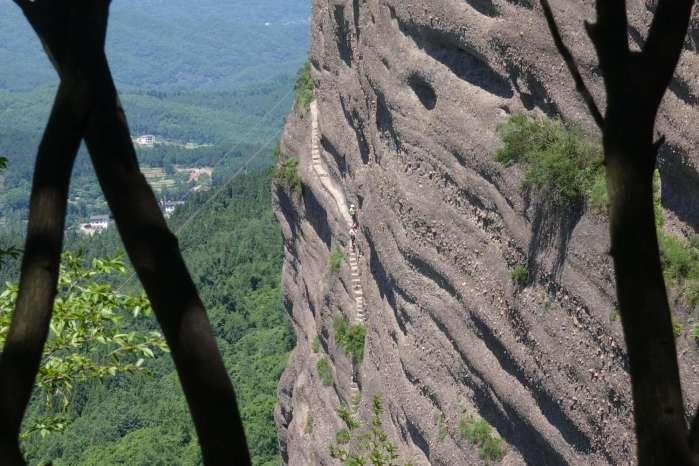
(409, 94)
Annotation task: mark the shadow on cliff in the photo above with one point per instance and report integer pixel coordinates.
(679, 185)
(552, 228)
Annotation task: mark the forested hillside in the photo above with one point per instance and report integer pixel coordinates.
(234, 251)
(206, 73)
(212, 82)
(226, 43)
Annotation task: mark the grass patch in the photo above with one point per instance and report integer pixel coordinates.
(350, 338)
(561, 162)
(286, 175)
(335, 259)
(343, 437)
(305, 89)
(440, 422)
(520, 274)
(346, 415)
(315, 346)
(324, 372)
(308, 429)
(679, 258)
(479, 433)
(614, 316)
(677, 328)
(680, 261)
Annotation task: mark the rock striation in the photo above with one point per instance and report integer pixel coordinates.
(408, 97)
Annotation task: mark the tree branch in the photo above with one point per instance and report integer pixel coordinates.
(664, 45)
(572, 66)
(610, 38)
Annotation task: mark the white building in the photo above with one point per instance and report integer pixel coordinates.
(170, 206)
(96, 224)
(146, 140)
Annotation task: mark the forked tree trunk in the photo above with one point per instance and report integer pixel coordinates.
(635, 83)
(155, 254)
(73, 34)
(24, 345)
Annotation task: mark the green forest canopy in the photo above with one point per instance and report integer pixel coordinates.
(235, 256)
(206, 72)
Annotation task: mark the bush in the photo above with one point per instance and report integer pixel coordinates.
(315, 346)
(692, 292)
(305, 88)
(346, 416)
(598, 197)
(335, 260)
(479, 433)
(440, 422)
(679, 259)
(286, 175)
(657, 200)
(343, 437)
(677, 328)
(350, 338)
(324, 372)
(614, 315)
(561, 162)
(492, 449)
(520, 274)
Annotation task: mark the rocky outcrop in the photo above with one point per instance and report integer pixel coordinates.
(409, 94)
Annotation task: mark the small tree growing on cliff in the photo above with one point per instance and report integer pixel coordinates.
(373, 447)
(635, 83)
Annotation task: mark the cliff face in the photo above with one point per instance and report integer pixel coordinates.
(408, 96)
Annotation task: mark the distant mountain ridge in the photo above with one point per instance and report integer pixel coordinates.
(173, 45)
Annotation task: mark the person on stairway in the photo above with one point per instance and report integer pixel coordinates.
(353, 236)
(353, 212)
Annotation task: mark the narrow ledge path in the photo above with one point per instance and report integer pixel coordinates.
(336, 193)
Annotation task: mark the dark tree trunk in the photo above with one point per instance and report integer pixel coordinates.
(635, 83)
(155, 254)
(24, 345)
(661, 428)
(73, 34)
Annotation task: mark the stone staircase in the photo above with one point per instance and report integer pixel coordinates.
(357, 290)
(329, 184)
(327, 181)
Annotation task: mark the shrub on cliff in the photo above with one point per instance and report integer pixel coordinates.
(286, 175)
(479, 433)
(350, 338)
(335, 260)
(324, 373)
(561, 162)
(373, 447)
(680, 260)
(305, 88)
(520, 274)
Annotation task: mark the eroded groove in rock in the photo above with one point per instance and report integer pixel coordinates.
(450, 50)
(484, 7)
(342, 35)
(423, 90)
